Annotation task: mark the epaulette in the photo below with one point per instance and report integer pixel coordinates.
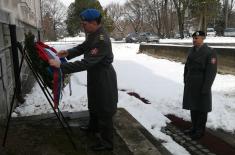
(101, 37)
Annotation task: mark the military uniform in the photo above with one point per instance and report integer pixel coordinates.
(101, 80)
(199, 74)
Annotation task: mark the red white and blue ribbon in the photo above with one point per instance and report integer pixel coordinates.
(46, 53)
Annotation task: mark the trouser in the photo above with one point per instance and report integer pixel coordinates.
(199, 120)
(102, 124)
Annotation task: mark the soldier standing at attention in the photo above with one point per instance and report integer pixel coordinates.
(199, 74)
(101, 77)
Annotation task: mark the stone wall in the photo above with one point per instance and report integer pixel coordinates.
(226, 56)
(6, 70)
(22, 16)
(7, 77)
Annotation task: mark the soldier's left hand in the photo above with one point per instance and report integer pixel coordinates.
(54, 63)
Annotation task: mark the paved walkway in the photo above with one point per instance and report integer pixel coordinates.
(43, 135)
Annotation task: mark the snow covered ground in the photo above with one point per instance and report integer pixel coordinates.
(158, 80)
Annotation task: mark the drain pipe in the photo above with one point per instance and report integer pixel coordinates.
(39, 35)
(15, 57)
(39, 24)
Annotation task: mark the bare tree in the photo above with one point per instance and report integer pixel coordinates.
(57, 12)
(204, 12)
(165, 10)
(181, 6)
(145, 15)
(116, 12)
(228, 6)
(134, 12)
(153, 15)
(161, 14)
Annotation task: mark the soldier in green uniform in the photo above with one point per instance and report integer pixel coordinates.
(199, 74)
(101, 77)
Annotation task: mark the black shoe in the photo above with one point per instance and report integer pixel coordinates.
(102, 147)
(85, 128)
(189, 132)
(197, 135)
(88, 129)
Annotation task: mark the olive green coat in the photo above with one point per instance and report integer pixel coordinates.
(199, 74)
(101, 76)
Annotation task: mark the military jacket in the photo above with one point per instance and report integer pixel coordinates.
(199, 74)
(101, 76)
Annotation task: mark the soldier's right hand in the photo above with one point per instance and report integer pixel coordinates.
(62, 53)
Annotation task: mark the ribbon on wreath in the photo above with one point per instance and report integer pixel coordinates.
(46, 52)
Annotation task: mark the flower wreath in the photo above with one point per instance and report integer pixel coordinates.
(40, 53)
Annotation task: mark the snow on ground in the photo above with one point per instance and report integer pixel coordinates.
(158, 80)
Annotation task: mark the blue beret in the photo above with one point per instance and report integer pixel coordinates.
(90, 15)
(199, 33)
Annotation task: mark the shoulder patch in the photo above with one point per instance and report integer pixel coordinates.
(101, 37)
(94, 51)
(213, 61)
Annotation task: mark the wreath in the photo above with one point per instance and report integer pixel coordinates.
(39, 54)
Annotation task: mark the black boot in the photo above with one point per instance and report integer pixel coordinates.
(85, 128)
(88, 128)
(189, 132)
(92, 125)
(102, 145)
(200, 125)
(197, 135)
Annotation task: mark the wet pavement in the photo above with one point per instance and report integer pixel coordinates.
(213, 142)
(43, 135)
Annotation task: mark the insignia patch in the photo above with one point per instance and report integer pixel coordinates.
(101, 37)
(213, 60)
(94, 51)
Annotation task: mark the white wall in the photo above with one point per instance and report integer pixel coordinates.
(27, 11)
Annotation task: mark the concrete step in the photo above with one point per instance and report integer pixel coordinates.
(44, 134)
(136, 137)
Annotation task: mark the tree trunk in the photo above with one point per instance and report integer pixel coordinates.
(180, 13)
(181, 24)
(167, 29)
(200, 22)
(226, 13)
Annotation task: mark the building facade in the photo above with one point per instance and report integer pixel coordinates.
(17, 17)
